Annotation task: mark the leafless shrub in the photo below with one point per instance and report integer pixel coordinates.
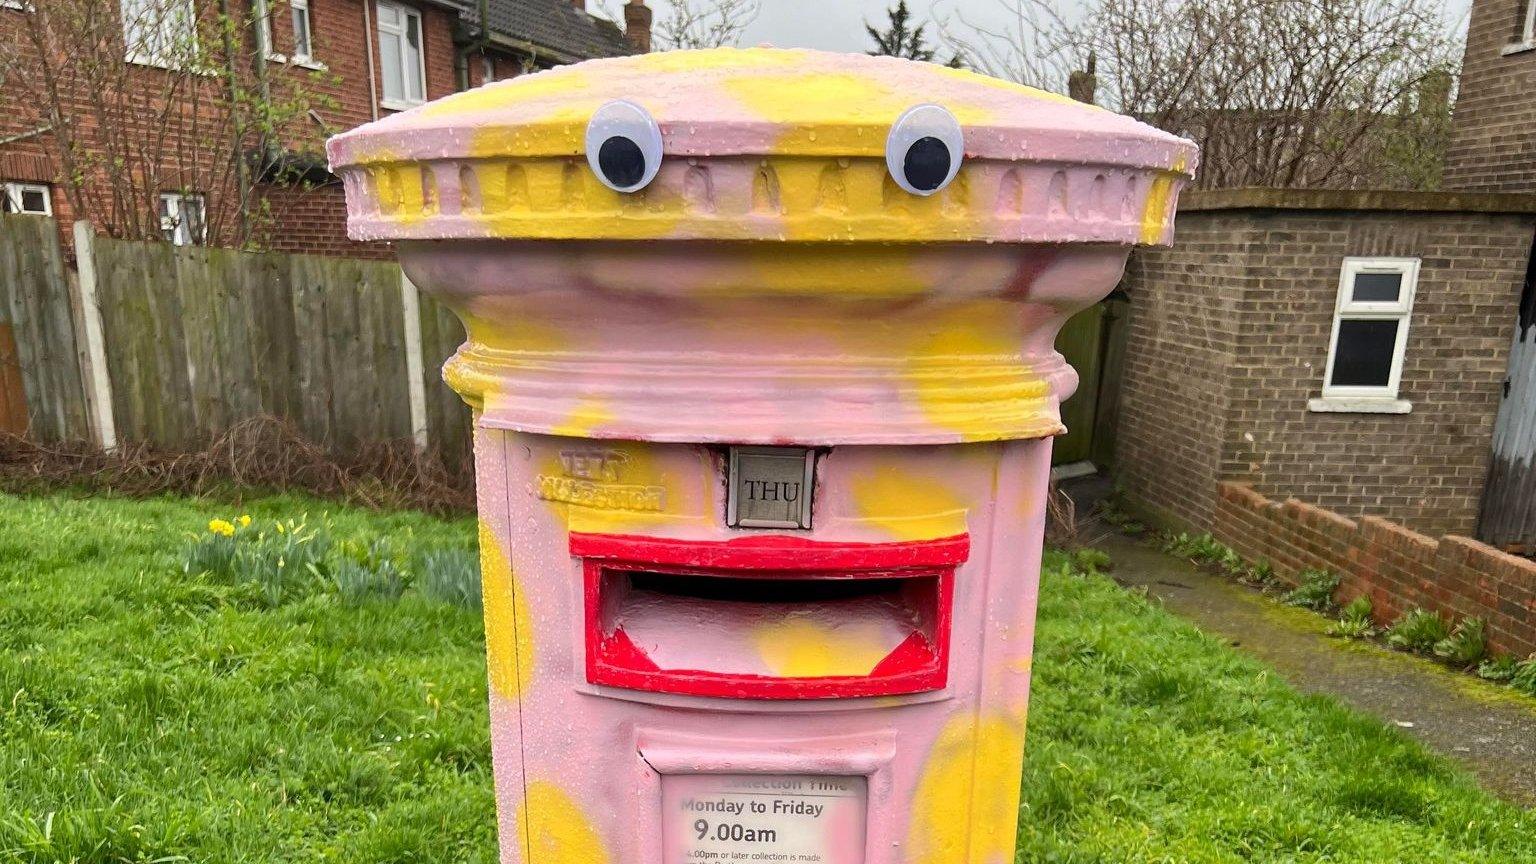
(1320, 93)
(1028, 41)
(704, 23)
(692, 23)
(1061, 528)
(258, 455)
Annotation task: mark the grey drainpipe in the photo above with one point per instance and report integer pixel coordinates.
(478, 42)
(373, 75)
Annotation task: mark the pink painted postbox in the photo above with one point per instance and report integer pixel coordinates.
(760, 356)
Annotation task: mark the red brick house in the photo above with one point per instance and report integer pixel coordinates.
(1371, 353)
(352, 61)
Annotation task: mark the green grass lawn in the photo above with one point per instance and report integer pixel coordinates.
(149, 715)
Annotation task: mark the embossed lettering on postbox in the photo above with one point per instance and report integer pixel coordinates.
(770, 487)
(591, 478)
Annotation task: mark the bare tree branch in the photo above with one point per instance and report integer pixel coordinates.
(1026, 41)
(693, 23)
(1337, 93)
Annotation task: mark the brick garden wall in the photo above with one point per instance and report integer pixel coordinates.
(1493, 147)
(1229, 341)
(1397, 568)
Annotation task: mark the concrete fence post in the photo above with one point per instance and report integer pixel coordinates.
(415, 367)
(98, 384)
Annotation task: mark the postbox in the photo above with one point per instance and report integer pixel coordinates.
(760, 358)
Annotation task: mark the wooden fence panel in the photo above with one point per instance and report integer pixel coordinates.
(144, 336)
(35, 304)
(311, 360)
(1081, 343)
(198, 339)
(194, 340)
(349, 350)
(448, 418)
(13, 393)
(268, 291)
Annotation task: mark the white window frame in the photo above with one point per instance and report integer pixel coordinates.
(171, 205)
(18, 5)
(296, 10)
(398, 32)
(1527, 32)
(262, 10)
(138, 47)
(13, 192)
(1372, 399)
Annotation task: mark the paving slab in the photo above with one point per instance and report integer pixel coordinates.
(1489, 729)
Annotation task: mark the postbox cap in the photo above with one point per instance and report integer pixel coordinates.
(763, 144)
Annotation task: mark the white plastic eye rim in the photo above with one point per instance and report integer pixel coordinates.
(622, 118)
(918, 122)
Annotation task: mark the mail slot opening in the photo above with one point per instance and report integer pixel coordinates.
(771, 633)
(787, 592)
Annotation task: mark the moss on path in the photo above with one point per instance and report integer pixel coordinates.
(1489, 729)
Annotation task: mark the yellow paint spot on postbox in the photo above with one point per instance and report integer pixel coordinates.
(523, 333)
(860, 103)
(965, 808)
(508, 622)
(698, 61)
(798, 648)
(907, 506)
(968, 366)
(555, 830)
(1155, 212)
(816, 270)
(587, 416)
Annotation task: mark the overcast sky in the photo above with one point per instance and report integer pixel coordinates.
(838, 25)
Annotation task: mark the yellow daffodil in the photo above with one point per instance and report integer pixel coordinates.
(221, 527)
(245, 521)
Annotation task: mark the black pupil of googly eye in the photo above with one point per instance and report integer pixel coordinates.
(926, 163)
(622, 162)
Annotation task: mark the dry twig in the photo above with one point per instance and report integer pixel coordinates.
(257, 455)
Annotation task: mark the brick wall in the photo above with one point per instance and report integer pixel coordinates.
(1493, 134)
(1183, 339)
(1229, 340)
(1397, 568)
(299, 220)
(314, 220)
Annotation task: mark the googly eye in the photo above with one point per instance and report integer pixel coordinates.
(924, 149)
(623, 146)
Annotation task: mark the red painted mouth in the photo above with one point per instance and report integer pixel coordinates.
(768, 617)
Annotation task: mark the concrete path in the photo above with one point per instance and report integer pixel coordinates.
(1489, 729)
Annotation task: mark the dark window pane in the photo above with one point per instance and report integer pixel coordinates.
(1363, 357)
(34, 201)
(1377, 287)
